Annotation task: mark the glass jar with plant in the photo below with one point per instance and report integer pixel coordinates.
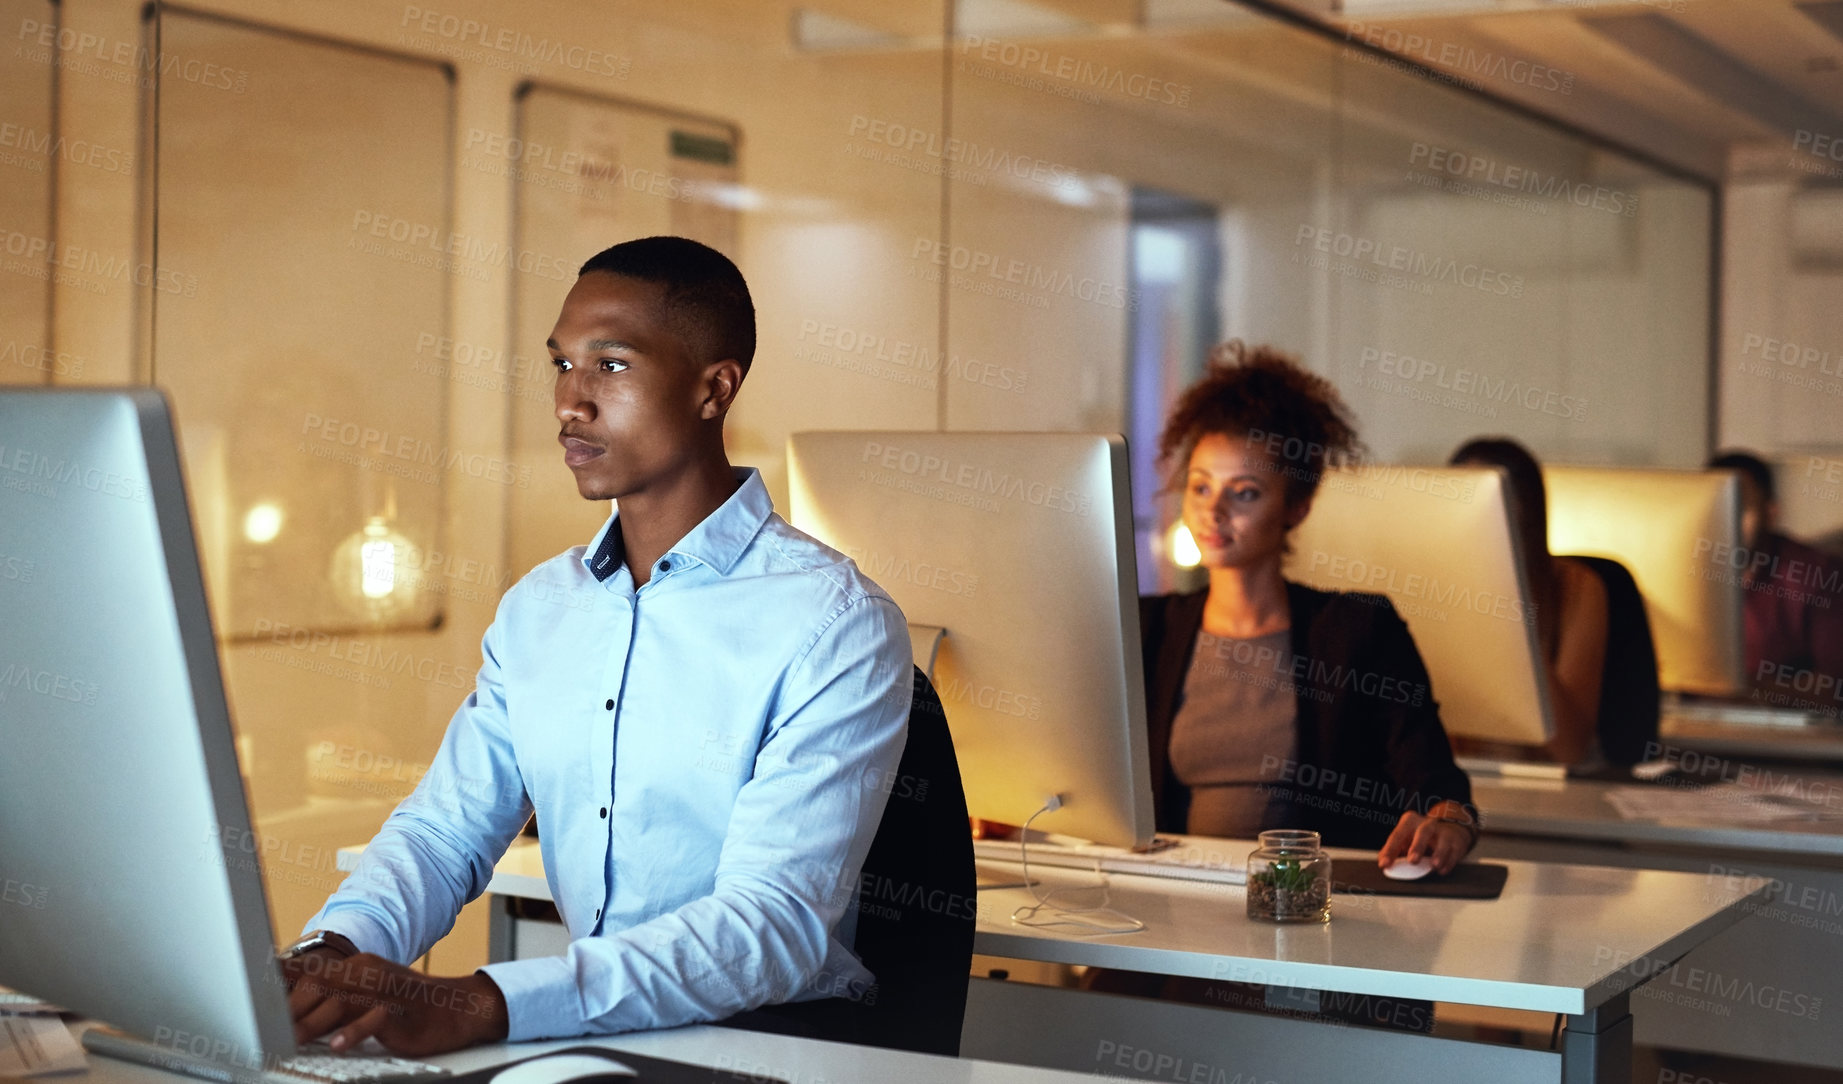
(1289, 878)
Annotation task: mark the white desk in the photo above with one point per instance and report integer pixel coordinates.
(1562, 939)
(1558, 940)
(1793, 944)
(753, 1054)
(1579, 810)
(1819, 741)
(1568, 940)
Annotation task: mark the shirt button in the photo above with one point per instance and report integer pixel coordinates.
(604, 812)
(598, 913)
(609, 704)
(665, 566)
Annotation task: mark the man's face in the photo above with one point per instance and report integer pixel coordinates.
(629, 394)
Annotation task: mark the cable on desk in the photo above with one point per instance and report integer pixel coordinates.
(1065, 916)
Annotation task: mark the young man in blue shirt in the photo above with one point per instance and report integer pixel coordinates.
(694, 886)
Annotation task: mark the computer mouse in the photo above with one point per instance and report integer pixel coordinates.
(562, 1068)
(1404, 870)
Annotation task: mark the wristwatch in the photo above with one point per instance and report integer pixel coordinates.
(1472, 825)
(313, 940)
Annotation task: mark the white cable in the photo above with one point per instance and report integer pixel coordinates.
(1025, 915)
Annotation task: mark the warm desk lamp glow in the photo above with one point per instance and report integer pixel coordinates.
(262, 523)
(377, 561)
(371, 569)
(1184, 552)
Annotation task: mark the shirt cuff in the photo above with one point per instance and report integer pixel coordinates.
(542, 1001)
(366, 934)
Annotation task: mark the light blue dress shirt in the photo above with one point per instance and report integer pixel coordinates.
(702, 754)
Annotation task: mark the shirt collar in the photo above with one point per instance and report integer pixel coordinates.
(718, 541)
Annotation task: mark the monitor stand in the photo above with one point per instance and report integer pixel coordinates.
(924, 644)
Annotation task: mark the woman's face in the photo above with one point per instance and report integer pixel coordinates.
(1235, 502)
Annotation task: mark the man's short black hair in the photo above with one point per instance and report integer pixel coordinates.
(705, 298)
(1752, 466)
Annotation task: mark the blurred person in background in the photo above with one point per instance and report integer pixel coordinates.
(1794, 604)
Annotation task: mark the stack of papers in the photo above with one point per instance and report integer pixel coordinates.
(1728, 805)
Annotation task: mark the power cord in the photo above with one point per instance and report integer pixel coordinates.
(1026, 915)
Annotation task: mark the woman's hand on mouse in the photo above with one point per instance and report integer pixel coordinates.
(1440, 841)
(350, 999)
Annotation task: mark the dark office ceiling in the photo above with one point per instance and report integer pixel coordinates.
(1721, 88)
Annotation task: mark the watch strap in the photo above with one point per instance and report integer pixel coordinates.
(312, 940)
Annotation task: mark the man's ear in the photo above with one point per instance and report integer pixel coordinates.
(722, 379)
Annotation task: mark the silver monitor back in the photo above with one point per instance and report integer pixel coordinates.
(1438, 542)
(1020, 545)
(133, 892)
(1677, 532)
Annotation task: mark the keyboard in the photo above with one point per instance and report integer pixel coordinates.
(1181, 858)
(14, 999)
(361, 1069)
(315, 1063)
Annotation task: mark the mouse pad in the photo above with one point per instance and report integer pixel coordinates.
(650, 1070)
(1468, 881)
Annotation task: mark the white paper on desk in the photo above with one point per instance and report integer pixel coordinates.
(1734, 805)
(30, 1045)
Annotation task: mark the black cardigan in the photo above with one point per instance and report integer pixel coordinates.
(1370, 740)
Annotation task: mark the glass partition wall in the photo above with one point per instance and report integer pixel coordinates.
(977, 214)
(1455, 268)
(29, 159)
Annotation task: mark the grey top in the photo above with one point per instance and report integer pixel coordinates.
(1233, 727)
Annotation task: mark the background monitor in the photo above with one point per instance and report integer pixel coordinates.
(1678, 533)
(1020, 545)
(1438, 542)
(133, 893)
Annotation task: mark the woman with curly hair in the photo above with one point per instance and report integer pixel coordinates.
(1270, 704)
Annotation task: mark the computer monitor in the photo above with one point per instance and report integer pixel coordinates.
(132, 889)
(1678, 532)
(1438, 542)
(1019, 545)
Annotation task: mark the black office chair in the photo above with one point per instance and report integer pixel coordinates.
(916, 910)
(1627, 720)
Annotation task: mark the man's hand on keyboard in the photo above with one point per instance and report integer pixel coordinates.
(363, 996)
